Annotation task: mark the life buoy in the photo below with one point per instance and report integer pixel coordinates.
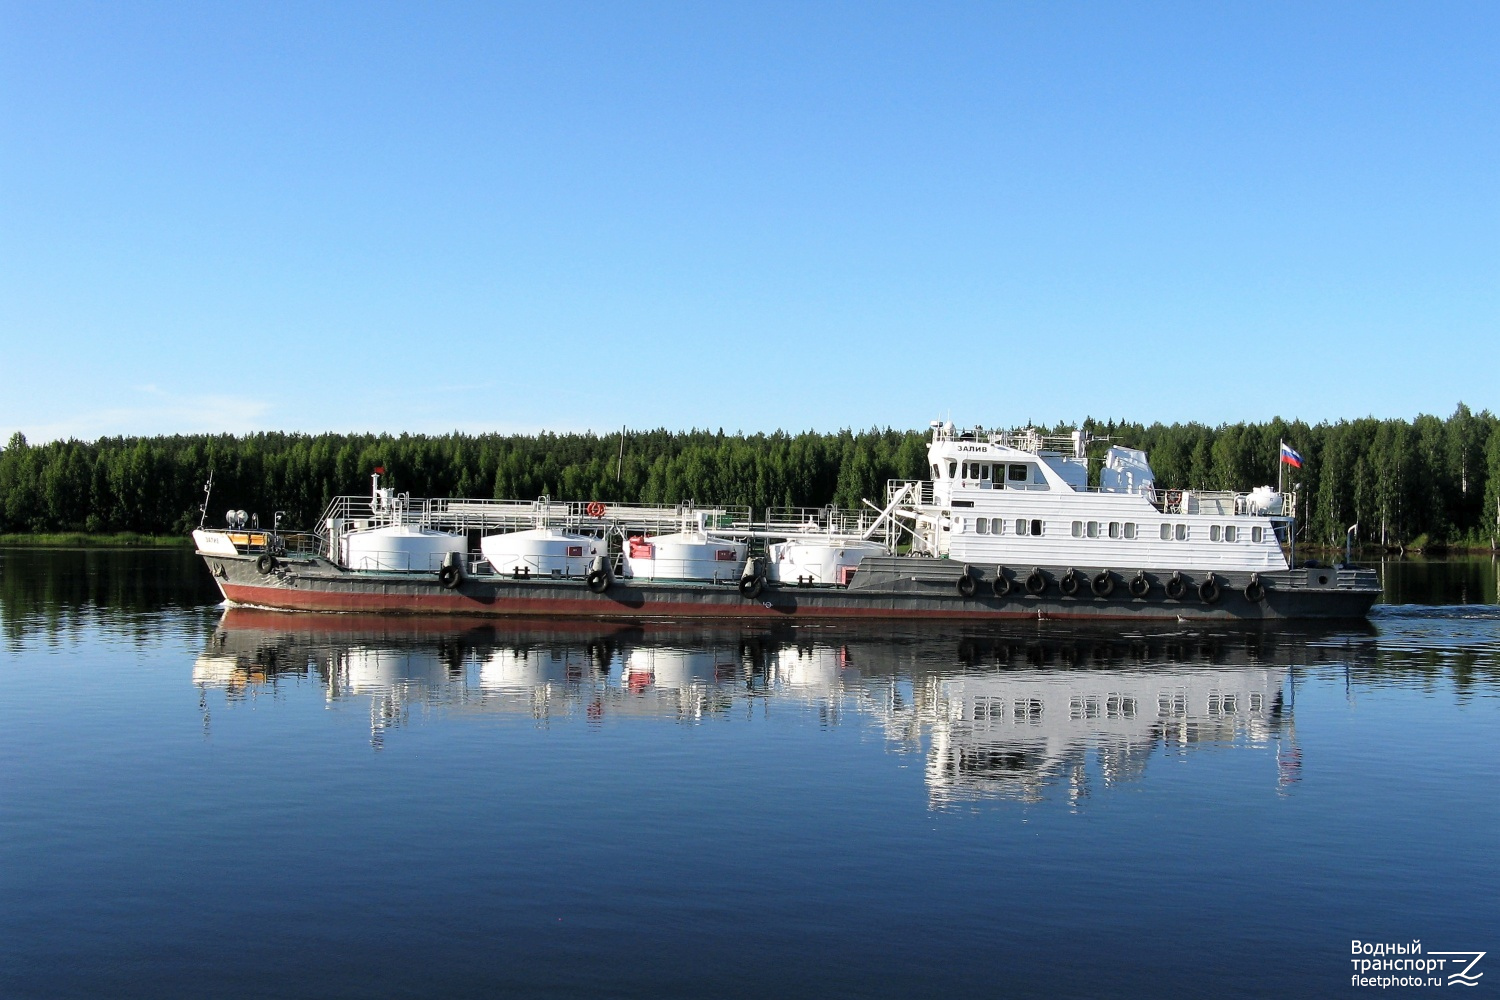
(598, 581)
(595, 509)
(1176, 586)
(1001, 585)
(265, 563)
(1036, 582)
(1069, 582)
(966, 584)
(449, 576)
(1103, 583)
(1255, 591)
(1139, 585)
(1209, 589)
(750, 586)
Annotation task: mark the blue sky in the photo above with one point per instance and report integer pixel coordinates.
(813, 215)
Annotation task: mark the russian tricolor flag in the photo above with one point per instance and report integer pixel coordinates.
(1290, 457)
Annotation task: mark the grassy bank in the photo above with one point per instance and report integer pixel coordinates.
(85, 540)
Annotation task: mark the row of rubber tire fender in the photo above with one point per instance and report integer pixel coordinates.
(1102, 584)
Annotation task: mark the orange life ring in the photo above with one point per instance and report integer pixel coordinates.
(595, 509)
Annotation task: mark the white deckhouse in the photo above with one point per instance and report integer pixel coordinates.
(1022, 499)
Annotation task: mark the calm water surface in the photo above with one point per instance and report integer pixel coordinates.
(196, 803)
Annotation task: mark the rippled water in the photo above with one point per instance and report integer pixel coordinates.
(201, 803)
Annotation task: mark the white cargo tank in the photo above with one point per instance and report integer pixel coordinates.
(817, 561)
(400, 548)
(683, 555)
(542, 551)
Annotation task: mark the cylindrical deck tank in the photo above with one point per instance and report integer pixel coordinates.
(817, 561)
(542, 551)
(399, 548)
(684, 555)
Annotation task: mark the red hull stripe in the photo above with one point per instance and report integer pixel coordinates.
(447, 603)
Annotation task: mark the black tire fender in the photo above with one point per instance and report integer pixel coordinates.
(1208, 590)
(1255, 591)
(1036, 583)
(750, 586)
(1176, 586)
(966, 584)
(1001, 584)
(597, 580)
(265, 563)
(1069, 582)
(1103, 583)
(1139, 585)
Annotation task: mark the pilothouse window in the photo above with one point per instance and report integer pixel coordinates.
(1018, 474)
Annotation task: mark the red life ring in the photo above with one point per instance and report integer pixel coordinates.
(595, 509)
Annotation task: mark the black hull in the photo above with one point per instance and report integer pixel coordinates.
(884, 588)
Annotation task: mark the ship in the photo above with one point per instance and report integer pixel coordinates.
(1009, 526)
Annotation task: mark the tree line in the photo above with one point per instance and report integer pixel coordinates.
(1398, 479)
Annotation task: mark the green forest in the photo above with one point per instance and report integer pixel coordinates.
(1425, 481)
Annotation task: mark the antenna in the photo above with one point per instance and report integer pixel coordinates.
(208, 489)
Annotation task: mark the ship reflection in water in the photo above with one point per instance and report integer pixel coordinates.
(1014, 715)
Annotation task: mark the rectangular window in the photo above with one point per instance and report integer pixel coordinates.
(1114, 529)
(1077, 529)
(1230, 533)
(1166, 532)
(1257, 534)
(1020, 526)
(1036, 527)
(984, 473)
(1182, 532)
(1093, 529)
(1018, 473)
(982, 526)
(1129, 529)
(1214, 532)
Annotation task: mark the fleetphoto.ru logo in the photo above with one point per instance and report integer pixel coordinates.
(1386, 965)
